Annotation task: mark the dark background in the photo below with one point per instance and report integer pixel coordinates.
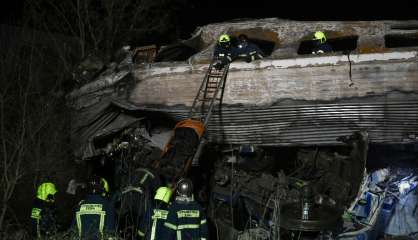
(198, 13)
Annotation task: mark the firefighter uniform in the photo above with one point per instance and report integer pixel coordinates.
(320, 43)
(43, 218)
(43, 214)
(247, 50)
(95, 217)
(224, 53)
(321, 48)
(156, 216)
(186, 221)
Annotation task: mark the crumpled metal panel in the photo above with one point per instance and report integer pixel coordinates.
(394, 121)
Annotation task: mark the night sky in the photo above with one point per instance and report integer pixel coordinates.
(208, 11)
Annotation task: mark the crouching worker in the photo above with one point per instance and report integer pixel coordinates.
(95, 215)
(224, 52)
(186, 219)
(152, 226)
(43, 216)
(247, 50)
(320, 43)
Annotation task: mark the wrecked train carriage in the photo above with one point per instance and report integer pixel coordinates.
(289, 98)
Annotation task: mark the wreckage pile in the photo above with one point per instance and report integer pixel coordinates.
(280, 160)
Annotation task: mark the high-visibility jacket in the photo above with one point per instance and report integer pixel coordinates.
(186, 221)
(152, 225)
(43, 218)
(95, 217)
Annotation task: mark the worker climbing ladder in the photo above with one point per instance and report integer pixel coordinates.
(210, 93)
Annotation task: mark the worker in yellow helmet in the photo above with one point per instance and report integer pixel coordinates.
(320, 43)
(43, 215)
(224, 52)
(152, 225)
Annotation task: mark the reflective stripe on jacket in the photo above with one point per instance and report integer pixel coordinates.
(94, 217)
(186, 221)
(43, 219)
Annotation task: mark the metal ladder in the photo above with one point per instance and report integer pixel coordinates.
(210, 91)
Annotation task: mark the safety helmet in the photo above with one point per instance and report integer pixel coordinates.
(184, 187)
(163, 194)
(105, 186)
(224, 38)
(46, 192)
(318, 35)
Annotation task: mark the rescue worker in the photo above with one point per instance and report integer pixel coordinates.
(95, 215)
(224, 52)
(43, 216)
(135, 199)
(181, 147)
(320, 43)
(152, 226)
(186, 220)
(247, 50)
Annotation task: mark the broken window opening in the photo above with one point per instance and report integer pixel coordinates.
(348, 43)
(175, 52)
(401, 40)
(266, 46)
(405, 27)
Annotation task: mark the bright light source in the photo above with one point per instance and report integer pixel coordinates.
(404, 186)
